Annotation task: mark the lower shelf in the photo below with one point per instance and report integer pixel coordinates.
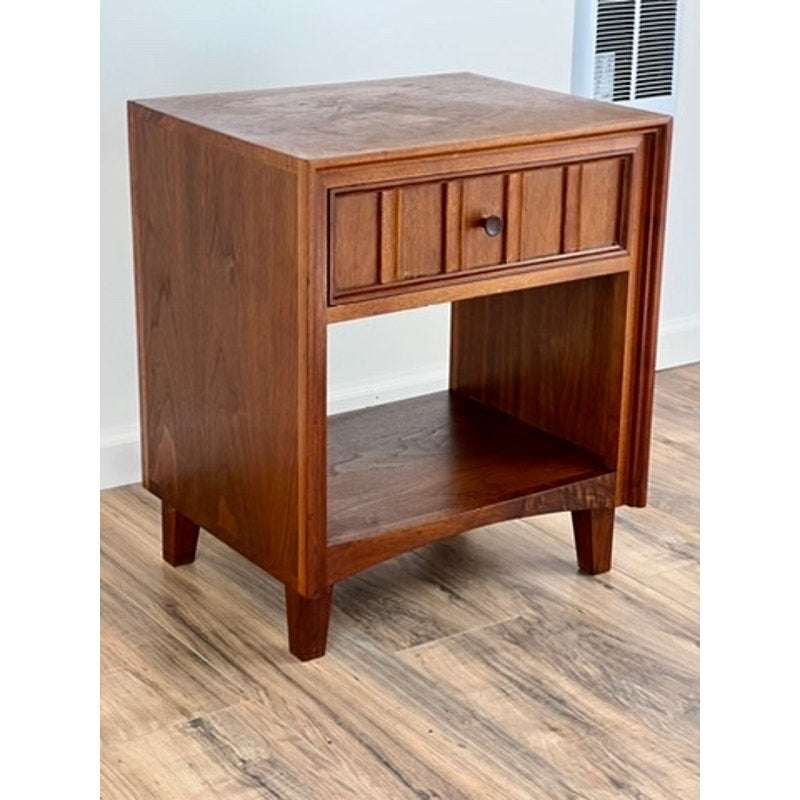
(403, 474)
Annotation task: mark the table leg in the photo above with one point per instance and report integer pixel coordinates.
(178, 537)
(307, 621)
(594, 534)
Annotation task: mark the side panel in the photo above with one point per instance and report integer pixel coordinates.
(215, 237)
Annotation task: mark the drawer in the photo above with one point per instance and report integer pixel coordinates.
(399, 236)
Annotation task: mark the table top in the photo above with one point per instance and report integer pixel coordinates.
(402, 116)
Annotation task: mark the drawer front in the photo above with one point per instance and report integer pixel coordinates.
(431, 231)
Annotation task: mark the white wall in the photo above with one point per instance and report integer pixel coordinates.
(165, 47)
(679, 341)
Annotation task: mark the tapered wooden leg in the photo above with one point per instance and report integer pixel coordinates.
(178, 537)
(307, 620)
(594, 533)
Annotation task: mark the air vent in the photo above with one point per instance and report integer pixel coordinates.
(656, 51)
(629, 54)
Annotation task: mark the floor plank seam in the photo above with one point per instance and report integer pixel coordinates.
(455, 635)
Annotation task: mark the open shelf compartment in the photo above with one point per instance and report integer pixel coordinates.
(406, 473)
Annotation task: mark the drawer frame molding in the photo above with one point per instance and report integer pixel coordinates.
(570, 157)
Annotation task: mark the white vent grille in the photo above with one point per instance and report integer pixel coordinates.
(656, 50)
(634, 56)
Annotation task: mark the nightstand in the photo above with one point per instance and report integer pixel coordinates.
(262, 217)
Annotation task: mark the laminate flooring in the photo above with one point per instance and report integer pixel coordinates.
(483, 666)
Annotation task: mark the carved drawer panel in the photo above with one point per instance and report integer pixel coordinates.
(433, 231)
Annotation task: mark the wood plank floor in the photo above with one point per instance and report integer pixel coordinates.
(484, 666)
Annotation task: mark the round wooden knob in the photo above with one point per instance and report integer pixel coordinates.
(492, 225)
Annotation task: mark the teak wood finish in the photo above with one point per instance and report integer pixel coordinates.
(262, 217)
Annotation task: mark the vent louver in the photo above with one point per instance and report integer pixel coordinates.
(656, 51)
(634, 49)
(613, 60)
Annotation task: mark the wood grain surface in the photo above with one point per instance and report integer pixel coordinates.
(408, 236)
(478, 667)
(400, 116)
(433, 458)
(551, 356)
(216, 271)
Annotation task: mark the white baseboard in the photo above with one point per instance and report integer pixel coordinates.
(386, 389)
(120, 457)
(120, 453)
(678, 342)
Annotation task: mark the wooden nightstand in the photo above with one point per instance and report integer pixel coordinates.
(262, 217)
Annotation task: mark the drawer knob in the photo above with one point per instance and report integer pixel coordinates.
(492, 225)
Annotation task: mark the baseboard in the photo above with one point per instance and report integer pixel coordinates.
(678, 342)
(387, 389)
(120, 453)
(120, 457)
